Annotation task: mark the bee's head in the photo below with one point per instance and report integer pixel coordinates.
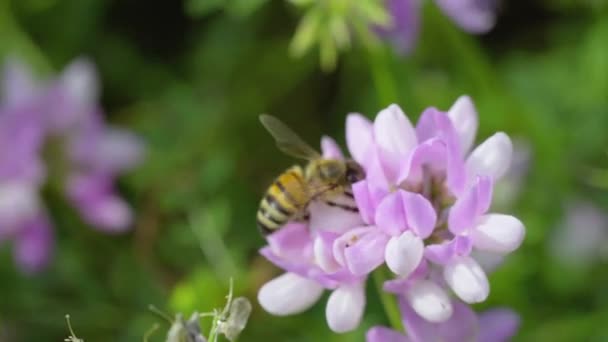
(354, 172)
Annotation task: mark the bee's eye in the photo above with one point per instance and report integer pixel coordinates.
(354, 173)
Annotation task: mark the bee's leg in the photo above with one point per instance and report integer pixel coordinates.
(349, 193)
(302, 216)
(347, 207)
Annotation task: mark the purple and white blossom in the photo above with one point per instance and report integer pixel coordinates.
(473, 16)
(424, 211)
(53, 131)
(494, 325)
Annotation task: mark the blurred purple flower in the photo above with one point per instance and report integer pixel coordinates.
(579, 240)
(473, 16)
(423, 211)
(64, 113)
(495, 325)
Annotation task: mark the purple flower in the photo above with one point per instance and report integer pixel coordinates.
(473, 16)
(579, 241)
(495, 325)
(64, 113)
(431, 196)
(424, 211)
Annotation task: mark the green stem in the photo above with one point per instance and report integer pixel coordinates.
(384, 83)
(391, 309)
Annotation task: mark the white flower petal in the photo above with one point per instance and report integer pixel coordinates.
(345, 308)
(119, 150)
(429, 301)
(289, 294)
(498, 233)
(491, 158)
(404, 253)
(488, 261)
(359, 136)
(18, 201)
(464, 118)
(467, 279)
(80, 82)
(395, 137)
(329, 218)
(324, 257)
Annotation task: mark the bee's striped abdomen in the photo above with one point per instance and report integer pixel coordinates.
(285, 198)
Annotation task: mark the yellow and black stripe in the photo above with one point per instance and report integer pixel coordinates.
(285, 198)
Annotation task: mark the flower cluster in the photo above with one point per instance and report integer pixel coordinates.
(52, 134)
(473, 16)
(423, 212)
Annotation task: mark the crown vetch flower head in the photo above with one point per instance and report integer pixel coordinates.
(424, 211)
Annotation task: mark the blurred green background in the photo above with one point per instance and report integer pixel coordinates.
(192, 76)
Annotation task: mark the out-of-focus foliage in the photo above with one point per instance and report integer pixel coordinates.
(192, 76)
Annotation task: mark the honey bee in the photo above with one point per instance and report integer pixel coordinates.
(291, 192)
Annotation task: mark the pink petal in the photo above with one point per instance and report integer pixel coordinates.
(498, 325)
(464, 118)
(367, 197)
(436, 124)
(34, 245)
(367, 253)
(19, 202)
(462, 326)
(80, 82)
(383, 334)
(431, 153)
(429, 301)
(395, 138)
(473, 203)
(324, 217)
(443, 253)
(108, 213)
(400, 285)
(418, 329)
(420, 214)
(473, 16)
(492, 158)
(487, 260)
(375, 173)
(330, 148)
(345, 308)
(323, 251)
(390, 214)
(118, 150)
(498, 233)
(290, 241)
(359, 136)
(403, 254)
(467, 279)
(289, 294)
(365, 203)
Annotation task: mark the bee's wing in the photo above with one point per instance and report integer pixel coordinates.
(287, 140)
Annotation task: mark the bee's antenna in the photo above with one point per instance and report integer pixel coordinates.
(160, 313)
